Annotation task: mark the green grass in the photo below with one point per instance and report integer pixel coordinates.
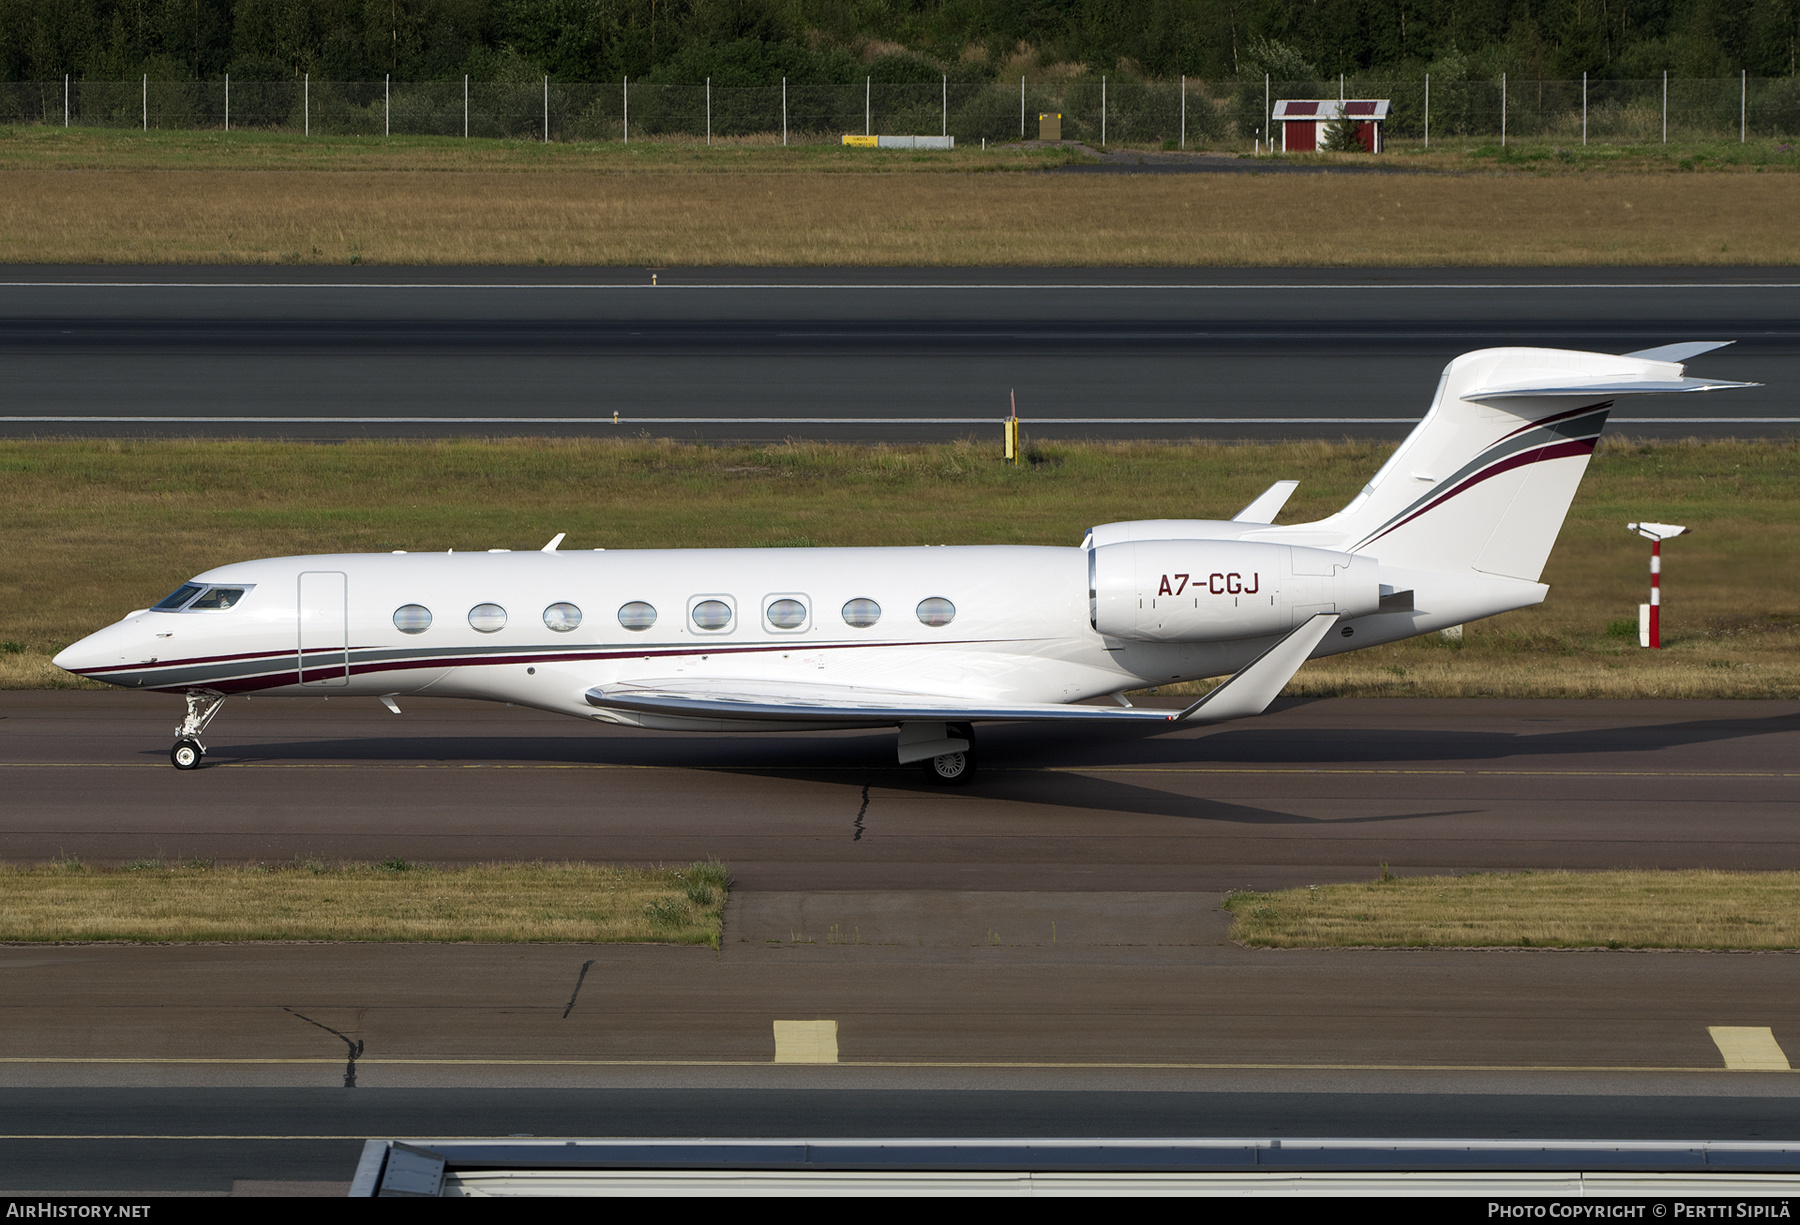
(153, 901)
(1696, 909)
(94, 529)
(33, 147)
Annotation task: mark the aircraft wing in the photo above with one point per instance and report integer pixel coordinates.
(1247, 692)
(803, 701)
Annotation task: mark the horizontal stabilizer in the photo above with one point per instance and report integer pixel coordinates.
(1679, 352)
(1604, 390)
(1268, 503)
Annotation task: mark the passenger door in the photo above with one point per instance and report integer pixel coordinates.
(324, 608)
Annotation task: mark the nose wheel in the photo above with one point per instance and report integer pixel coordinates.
(202, 705)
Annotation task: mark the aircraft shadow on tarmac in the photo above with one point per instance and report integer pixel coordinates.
(1022, 747)
(1041, 765)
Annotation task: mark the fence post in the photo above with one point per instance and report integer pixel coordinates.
(1428, 110)
(146, 102)
(709, 112)
(1584, 109)
(465, 106)
(868, 104)
(387, 104)
(66, 99)
(306, 105)
(1266, 120)
(625, 109)
(1665, 106)
(1021, 106)
(546, 110)
(1743, 104)
(1103, 112)
(946, 105)
(1503, 110)
(1184, 110)
(784, 112)
(227, 102)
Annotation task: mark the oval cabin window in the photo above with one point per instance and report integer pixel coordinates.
(412, 618)
(862, 613)
(787, 614)
(937, 611)
(562, 617)
(487, 618)
(637, 615)
(712, 615)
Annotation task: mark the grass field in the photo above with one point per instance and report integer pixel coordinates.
(392, 901)
(1622, 909)
(94, 529)
(267, 199)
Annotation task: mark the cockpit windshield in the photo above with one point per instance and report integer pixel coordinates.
(217, 598)
(175, 599)
(214, 599)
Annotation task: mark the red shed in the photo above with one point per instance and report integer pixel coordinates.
(1303, 123)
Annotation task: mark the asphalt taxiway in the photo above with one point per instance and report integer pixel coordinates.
(899, 355)
(1040, 953)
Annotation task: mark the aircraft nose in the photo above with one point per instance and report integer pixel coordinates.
(103, 648)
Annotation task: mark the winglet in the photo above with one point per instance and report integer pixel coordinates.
(1259, 682)
(1268, 503)
(554, 541)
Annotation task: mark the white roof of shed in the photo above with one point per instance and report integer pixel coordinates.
(1330, 108)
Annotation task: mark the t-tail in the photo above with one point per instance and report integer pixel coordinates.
(1485, 480)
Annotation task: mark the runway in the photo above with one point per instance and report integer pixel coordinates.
(1040, 953)
(844, 354)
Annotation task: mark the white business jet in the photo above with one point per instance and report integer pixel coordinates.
(1455, 526)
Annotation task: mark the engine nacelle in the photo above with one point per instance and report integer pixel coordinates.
(1212, 590)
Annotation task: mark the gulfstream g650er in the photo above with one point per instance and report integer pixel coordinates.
(1456, 526)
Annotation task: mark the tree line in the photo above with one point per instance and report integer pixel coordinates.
(752, 42)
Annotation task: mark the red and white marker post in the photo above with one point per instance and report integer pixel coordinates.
(1650, 615)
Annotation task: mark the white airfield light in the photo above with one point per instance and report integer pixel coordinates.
(1456, 526)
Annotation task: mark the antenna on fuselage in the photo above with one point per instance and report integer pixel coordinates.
(554, 541)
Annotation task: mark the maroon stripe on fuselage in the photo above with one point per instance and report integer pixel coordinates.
(273, 680)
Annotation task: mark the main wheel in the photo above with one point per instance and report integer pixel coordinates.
(950, 769)
(186, 754)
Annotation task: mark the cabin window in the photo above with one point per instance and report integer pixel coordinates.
(562, 617)
(218, 598)
(637, 615)
(412, 618)
(862, 613)
(712, 615)
(176, 598)
(936, 611)
(487, 618)
(786, 614)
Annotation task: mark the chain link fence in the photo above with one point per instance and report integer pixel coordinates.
(1190, 114)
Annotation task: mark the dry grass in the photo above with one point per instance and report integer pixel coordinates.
(1624, 909)
(392, 901)
(659, 218)
(79, 515)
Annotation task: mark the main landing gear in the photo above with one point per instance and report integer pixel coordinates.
(953, 769)
(202, 705)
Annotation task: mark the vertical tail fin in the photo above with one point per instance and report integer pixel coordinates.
(1484, 481)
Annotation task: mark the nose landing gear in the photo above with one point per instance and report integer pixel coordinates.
(202, 705)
